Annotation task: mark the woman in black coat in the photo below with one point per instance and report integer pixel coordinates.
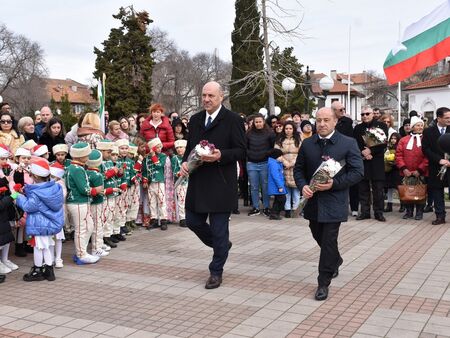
(53, 134)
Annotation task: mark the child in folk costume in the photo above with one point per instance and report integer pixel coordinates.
(109, 173)
(143, 215)
(125, 165)
(43, 202)
(180, 190)
(134, 189)
(79, 195)
(7, 213)
(153, 171)
(57, 172)
(20, 175)
(60, 152)
(41, 150)
(96, 182)
(117, 236)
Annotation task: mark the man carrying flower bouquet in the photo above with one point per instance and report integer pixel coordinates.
(212, 189)
(371, 136)
(327, 204)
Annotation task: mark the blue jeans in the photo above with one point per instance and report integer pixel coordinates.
(258, 176)
(294, 195)
(215, 235)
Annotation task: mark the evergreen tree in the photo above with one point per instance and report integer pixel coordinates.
(247, 59)
(53, 106)
(66, 116)
(127, 61)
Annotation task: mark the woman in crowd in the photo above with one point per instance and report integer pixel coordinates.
(132, 131)
(278, 130)
(179, 130)
(9, 136)
(260, 139)
(411, 162)
(124, 125)
(26, 128)
(307, 129)
(53, 134)
(388, 119)
(115, 132)
(289, 143)
(158, 125)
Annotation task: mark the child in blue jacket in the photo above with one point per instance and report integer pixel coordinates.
(44, 204)
(276, 185)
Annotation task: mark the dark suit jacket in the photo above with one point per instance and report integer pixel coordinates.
(345, 126)
(374, 168)
(331, 205)
(213, 186)
(434, 153)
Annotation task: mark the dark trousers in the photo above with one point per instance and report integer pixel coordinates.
(278, 204)
(326, 235)
(215, 235)
(371, 191)
(439, 204)
(354, 197)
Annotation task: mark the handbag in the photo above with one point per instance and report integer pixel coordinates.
(412, 190)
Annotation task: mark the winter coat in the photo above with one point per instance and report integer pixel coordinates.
(12, 140)
(163, 131)
(90, 135)
(50, 142)
(331, 205)
(259, 142)
(72, 136)
(413, 159)
(6, 208)
(345, 126)
(213, 186)
(434, 153)
(275, 177)
(374, 168)
(290, 152)
(43, 203)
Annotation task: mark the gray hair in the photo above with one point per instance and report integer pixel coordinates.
(23, 122)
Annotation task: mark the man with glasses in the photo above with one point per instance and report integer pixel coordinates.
(436, 160)
(373, 157)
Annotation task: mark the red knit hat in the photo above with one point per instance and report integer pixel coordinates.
(40, 149)
(4, 151)
(57, 169)
(40, 167)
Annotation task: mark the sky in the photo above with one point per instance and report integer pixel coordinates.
(69, 30)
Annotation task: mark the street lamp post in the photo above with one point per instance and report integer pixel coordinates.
(326, 84)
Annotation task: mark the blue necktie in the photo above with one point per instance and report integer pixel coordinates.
(443, 129)
(208, 123)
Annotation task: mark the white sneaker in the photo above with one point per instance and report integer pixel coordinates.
(89, 259)
(4, 269)
(59, 263)
(100, 253)
(354, 213)
(106, 247)
(10, 264)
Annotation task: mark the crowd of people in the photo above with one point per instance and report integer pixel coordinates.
(100, 186)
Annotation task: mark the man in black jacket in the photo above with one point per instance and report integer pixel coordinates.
(212, 188)
(373, 182)
(327, 207)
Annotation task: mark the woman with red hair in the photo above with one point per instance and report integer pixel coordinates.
(158, 125)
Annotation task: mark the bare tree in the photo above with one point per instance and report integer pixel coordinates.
(21, 64)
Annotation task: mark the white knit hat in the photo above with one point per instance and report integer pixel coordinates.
(4, 151)
(60, 148)
(104, 145)
(95, 159)
(154, 142)
(22, 152)
(180, 143)
(40, 150)
(115, 150)
(57, 170)
(30, 144)
(80, 149)
(40, 167)
(122, 142)
(37, 112)
(133, 149)
(415, 120)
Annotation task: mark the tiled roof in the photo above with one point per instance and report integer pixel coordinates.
(77, 92)
(339, 88)
(358, 78)
(440, 81)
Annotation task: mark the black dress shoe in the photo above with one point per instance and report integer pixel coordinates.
(380, 218)
(213, 282)
(336, 272)
(428, 208)
(362, 216)
(321, 293)
(2, 278)
(438, 221)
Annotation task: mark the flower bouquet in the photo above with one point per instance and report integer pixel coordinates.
(374, 137)
(194, 159)
(389, 160)
(443, 170)
(326, 171)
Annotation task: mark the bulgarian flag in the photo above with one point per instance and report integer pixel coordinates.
(101, 101)
(424, 43)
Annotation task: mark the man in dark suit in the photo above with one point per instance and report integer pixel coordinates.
(373, 182)
(328, 206)
(212, 188)
(436, 160)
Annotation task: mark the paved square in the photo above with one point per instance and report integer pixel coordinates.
(394, 283)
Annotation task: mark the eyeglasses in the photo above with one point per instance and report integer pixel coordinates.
(342, 109)
(365, 114)
(6, 121)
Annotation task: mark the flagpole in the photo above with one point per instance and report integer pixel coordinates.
(399, 88)
(349, 107)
